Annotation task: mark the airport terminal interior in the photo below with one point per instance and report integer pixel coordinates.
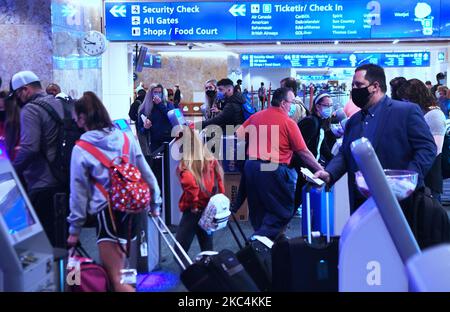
(146, 69)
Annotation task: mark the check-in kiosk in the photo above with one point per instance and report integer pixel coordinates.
(172, 155)
(26, 261)
(170, 164)
(147, 231)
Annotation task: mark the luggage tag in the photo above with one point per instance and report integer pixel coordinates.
(264, 240)
(143, 245)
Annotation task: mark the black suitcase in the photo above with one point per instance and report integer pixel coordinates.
(256, 258)
(306, 263)
(217, 272)
(212, 271)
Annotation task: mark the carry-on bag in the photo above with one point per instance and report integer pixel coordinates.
(306, 263)
(84, 274)
(255, 256)
(318, 195)
(212, 271)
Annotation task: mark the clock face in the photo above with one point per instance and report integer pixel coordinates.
(93, 43)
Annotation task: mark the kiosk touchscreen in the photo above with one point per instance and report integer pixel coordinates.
(122, 125)
(26, 263)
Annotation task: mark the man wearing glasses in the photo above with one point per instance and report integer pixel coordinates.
(273, 138)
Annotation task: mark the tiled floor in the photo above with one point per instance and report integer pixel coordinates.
(166, 278)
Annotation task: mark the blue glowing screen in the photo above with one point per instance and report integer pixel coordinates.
(13, 207)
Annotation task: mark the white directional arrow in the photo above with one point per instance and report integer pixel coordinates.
(68, 11)
(119, 11)
(238, 10)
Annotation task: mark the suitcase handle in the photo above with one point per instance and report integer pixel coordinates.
(234, 233)
(308, 212)
(240, 230)
(163, 229)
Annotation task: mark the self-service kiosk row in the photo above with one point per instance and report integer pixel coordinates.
(27, 261)
(27, 257)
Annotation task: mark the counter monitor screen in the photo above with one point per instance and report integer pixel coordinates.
(13, 207)
(122, 124)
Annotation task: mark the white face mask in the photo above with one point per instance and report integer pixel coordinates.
(437, 94)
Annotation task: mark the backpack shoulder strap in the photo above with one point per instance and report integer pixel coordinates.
(91, 149)
(67, 107)
(126, 148)
(48, 108)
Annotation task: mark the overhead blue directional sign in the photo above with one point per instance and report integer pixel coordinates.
(270, 20)
(343, 60)
(165, 21)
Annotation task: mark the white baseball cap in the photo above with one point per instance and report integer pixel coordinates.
(23, 78)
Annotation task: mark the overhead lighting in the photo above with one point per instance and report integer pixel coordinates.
(278, 42)
(395, 41)
(198, 54)
(336, 42)
(172, 43)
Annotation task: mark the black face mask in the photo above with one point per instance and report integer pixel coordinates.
(361, 96)
(211, 93)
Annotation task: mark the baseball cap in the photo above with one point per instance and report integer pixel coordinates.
(23, 78)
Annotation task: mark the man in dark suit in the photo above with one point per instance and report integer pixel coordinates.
(397, 130)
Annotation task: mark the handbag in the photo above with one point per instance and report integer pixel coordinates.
(84, 274)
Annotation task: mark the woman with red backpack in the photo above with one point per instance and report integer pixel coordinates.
(111, 180)
(198, 172)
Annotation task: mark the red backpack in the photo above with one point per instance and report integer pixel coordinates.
(129, 192)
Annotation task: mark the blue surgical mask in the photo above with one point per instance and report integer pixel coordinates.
(326, 112)
(292, 110)
(158, 95)
(441, 81)
(220, 95)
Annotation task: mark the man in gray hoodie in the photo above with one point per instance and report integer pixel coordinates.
(38, 147)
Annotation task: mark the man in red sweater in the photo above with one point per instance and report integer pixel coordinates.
(269, 182)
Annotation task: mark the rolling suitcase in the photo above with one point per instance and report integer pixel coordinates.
(318, 196)
(212, 271)
(256, 257)
(146, 249)
(306, 264)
